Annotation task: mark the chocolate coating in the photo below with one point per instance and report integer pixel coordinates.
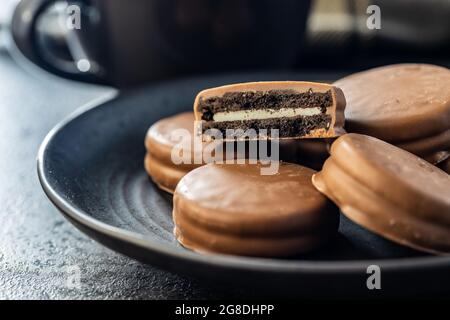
(399, 103)
(165, 176)
(427, 146)
(233, 209)
(389, 191)
(159, 144)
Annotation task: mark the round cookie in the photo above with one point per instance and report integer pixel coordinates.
(389, 191)
(405, 104)
(166, 177)
(233, 209)
(160, 142)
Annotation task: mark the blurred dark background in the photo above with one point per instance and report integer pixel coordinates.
(124, 43)
(411, 31)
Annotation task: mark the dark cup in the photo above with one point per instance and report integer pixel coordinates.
(123, 43)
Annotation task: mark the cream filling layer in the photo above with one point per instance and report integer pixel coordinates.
(262, 114)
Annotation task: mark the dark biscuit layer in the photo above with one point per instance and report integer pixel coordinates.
(288, 127)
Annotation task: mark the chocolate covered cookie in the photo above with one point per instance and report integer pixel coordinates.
(161, 141)
(406, 104)
(389, 191)
(295, 109)
(233, 209)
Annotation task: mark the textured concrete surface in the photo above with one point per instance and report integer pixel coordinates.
(41, 254)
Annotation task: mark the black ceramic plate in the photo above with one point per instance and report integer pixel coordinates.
(91, 168)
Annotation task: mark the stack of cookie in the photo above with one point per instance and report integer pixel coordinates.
(389, 191)
(377, 175)
(407, 105)
(235, 208)
(161, 141)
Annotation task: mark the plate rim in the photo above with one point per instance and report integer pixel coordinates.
(270, 265)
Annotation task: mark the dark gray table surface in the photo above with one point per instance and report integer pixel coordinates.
(39, 249)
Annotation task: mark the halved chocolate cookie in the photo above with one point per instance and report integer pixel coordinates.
(295, 109)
